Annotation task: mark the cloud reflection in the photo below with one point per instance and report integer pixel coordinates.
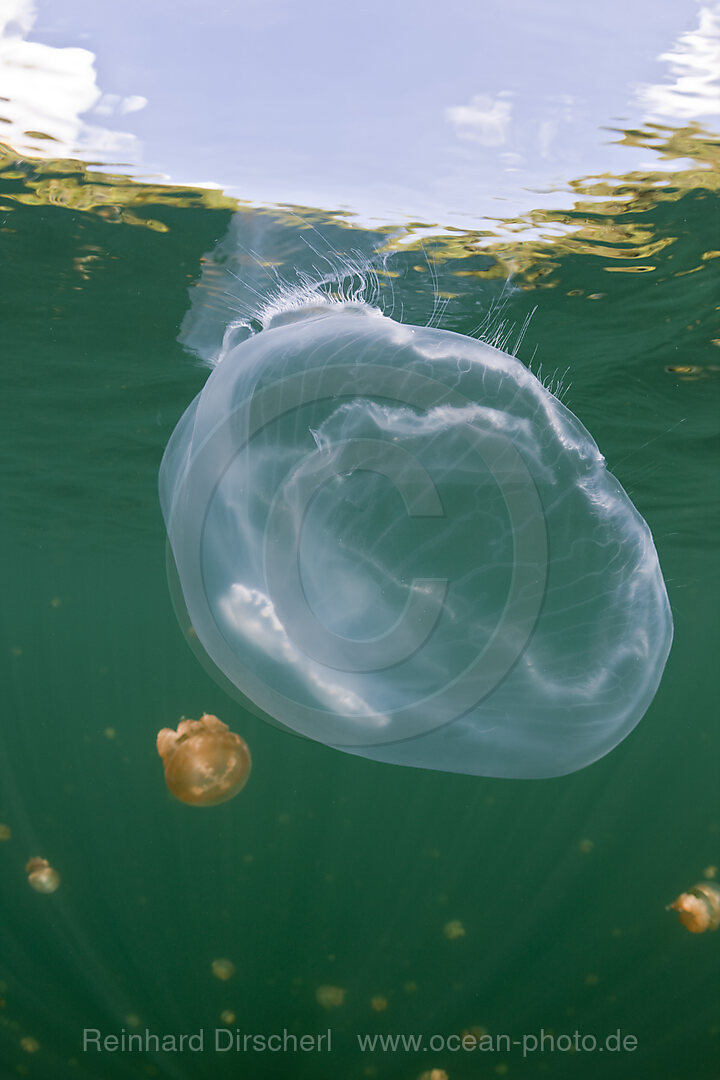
(695, 65)
(484, 120)
(46, 90)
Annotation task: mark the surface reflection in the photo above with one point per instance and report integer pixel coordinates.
(433, 136)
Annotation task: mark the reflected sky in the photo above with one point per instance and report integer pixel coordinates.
(448, 114)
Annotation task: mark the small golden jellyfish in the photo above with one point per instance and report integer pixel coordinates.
(29, 1044)
(699, 907)
(41, 875)
(222, 968)
(434, 1074)
(378, 1003)
(227, 1016)
(585, 846)
(453, 929)
(205, 763)
(708, 872)
(5, 832)
(330, 997)
(473, 1036)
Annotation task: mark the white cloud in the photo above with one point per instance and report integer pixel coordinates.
(546, 134)
(133, 103)
(114, 103)
(484, 120)
(48, 89)
(695, 66)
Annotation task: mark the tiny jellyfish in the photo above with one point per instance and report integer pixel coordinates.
(475, 1035)
(330, 997)
(205, 763)
(699, 908)
(395, 541)
(5, 832)
(41, 875)
(228, 1016)
(378, 1003)
(454, 929)
(222, 968)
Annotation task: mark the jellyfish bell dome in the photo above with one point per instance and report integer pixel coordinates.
(222, 968)
(205, 763)
(699, 908)
(41, 875)
(394, 540)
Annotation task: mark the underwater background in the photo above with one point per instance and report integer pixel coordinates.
(349, 895)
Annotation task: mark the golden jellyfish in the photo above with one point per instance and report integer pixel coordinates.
(474, 1036)
(330, 997)
(453, 929)
(205, 763)
(699, 907)
(223, 969)
(41, 876)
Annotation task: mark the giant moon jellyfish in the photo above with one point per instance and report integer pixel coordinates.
(394, 540)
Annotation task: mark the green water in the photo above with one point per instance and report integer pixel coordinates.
(329, 869)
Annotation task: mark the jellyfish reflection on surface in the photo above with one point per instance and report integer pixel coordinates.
(394, 540)
(205, 763)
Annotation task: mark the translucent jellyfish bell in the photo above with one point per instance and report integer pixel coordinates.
(394, 540)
